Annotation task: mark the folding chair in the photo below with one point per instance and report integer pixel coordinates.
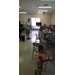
(37, 37)
(35, 48)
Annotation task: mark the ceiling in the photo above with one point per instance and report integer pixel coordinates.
(31, 6)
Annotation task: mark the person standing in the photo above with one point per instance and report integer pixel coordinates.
(28, 26)
(20, 29)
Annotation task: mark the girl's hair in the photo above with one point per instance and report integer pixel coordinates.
(40, 48)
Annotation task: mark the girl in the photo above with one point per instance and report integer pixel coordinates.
(40, 61)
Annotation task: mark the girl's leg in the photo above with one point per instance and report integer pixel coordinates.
(36, 72)
(39, 73)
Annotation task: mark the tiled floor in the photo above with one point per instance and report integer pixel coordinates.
(27, 66)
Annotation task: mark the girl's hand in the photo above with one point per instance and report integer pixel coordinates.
(48, 58)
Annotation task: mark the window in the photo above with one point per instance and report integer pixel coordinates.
(37, 19)
(34, 20)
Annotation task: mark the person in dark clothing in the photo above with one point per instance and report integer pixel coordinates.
(20, 30)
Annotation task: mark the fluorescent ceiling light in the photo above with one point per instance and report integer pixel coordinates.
(47, 0)
(39, 12)
(44, 7)
(23, 12)
(19, 7)
(42, 10)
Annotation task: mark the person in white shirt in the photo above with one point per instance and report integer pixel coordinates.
(28, 26)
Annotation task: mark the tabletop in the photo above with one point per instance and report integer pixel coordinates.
(52, 56)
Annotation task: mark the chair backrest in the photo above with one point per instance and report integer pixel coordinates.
(37, 36)
(37, 44)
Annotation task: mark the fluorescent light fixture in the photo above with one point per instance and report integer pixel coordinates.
(47, 0)
(42, 10)
(39, 12)
(23, 12)
(44, 7)
(19, 7)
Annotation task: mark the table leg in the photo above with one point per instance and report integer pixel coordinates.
(32, 54)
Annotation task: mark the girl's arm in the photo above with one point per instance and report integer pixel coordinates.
(44, 60)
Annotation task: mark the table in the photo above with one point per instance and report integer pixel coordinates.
(51, 37)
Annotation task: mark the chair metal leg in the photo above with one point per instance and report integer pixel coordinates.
(53, 63)
(47, 44)
(32, 54)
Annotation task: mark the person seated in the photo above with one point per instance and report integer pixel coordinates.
(41, 35)
(44, 27)
(53, 28)
(45, 31)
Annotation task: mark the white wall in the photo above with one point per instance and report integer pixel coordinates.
(45, 19)
(53, 18)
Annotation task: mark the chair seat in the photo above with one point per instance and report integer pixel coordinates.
(37, 44)
(35, 48)
(44, 41)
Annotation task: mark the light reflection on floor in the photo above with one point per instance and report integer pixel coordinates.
(33, 36)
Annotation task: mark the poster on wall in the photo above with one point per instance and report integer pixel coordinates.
(25, 20)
